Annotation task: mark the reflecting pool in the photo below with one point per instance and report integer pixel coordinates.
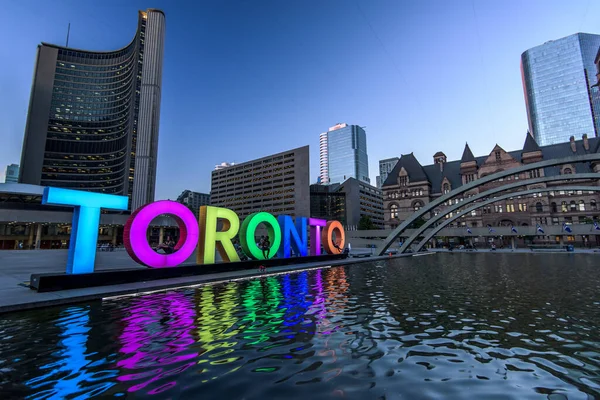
(459, 326)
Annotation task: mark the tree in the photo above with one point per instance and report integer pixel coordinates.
(419, 222)
(365, 223)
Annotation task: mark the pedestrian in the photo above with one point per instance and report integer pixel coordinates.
(266, 247)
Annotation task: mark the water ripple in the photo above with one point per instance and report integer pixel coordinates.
(448, 326)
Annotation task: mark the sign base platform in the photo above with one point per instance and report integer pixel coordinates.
(55, 282)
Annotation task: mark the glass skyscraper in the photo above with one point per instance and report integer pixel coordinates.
(385, 167)
(12, 173)
(93, 116)
(346, 153)
(557, 80)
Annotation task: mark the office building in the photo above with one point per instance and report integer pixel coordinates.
(385, 167)
(194, 200)
(348, 202)
(278, 184)
(93, 116)
(12, 173)
(323, 159)
(326, 202)
(343, 154)
(558, 83)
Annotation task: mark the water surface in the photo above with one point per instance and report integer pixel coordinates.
(460, 326)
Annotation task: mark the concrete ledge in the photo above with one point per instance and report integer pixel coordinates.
(55, 282)
(19, 298)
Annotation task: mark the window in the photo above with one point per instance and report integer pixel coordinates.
(567, 171)
(510, 208)
(446, 188)
(498, 156)
(539, 207)
(403, 180)
(522, 207)
(553, 207)
(473, 213)
(554, 220)
(534, 173)
(593, 205)
(573, 205)
(417, 205)
(581, 205)
(563, 206)
(498, 208)
(393, 211)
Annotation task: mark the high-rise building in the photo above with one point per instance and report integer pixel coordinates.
(278, 184)
(194, 200)
(12, 173)
(558, 83)
(344, 147)
(93, 116)
(323, 159)
(385, 167)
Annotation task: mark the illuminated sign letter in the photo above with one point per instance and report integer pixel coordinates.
(210, 238)
(86, 220)
(290, 231)
(315, 235)
(134, 234)
(247, 234)
(331, 246)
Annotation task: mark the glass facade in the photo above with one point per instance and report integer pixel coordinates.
(385, 167)
(12, 173)
(557, 80)
(93, 114)
(328, 203)
(347, 154)
(90, 144)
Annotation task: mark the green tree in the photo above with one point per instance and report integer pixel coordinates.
(365, 223)
(419, 222)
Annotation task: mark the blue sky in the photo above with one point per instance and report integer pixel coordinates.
(244, 79)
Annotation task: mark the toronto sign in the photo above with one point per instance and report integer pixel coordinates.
(214, 230)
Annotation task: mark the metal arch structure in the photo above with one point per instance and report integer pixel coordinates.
(483, 195)
(479, 182)
(490, 201)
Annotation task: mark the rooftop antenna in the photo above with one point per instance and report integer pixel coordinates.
(68, 32)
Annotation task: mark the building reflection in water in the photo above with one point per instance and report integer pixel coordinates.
(155, 340)
(70, 374)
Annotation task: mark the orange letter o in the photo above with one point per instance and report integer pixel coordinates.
(329, 245)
